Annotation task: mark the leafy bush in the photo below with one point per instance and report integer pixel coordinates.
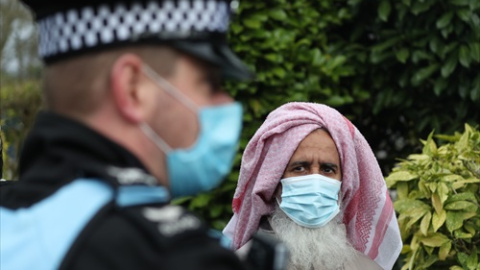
(438, 203)
(20, 103)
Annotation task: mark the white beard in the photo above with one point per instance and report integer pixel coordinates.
(324, 248)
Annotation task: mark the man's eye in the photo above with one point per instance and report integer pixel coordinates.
(328, 169)
(298, 169)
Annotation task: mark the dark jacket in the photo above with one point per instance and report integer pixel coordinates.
(56, 153)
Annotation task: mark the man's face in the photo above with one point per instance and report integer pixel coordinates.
(316, 154)
(326, 247)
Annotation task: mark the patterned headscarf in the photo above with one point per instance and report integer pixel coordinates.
(369, 216)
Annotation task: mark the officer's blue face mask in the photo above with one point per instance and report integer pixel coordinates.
(203, 166)
(310, 201)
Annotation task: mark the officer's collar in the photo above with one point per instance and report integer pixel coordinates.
(59, 150)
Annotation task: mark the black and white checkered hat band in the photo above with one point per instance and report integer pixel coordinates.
(88, 27)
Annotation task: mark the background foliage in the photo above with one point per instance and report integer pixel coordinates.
(20, 103)
(438, 203)
(397, 69)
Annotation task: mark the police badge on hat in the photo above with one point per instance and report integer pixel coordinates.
(196, 27)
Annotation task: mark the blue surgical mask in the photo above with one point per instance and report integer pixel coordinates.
(203, 166)
(310, 201)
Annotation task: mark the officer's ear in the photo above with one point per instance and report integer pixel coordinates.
(126, 86)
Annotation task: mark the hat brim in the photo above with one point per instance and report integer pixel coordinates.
(218, 54)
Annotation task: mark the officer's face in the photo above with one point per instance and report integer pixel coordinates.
(200, 83)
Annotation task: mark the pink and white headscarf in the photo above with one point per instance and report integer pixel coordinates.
(368, 212)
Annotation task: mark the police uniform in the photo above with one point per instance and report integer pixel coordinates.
(128, 229)
(83, 201)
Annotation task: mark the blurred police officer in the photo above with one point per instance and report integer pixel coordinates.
(134, 117)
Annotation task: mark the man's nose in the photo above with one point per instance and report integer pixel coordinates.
(315, 170)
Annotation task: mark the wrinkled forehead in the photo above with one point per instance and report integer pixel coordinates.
(317, 143)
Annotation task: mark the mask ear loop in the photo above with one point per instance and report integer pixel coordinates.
(147, 130)
(169, 88)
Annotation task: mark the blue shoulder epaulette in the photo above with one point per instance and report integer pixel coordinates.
(39, 237)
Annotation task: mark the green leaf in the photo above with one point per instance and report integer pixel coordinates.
(464, 196)
(437, 203)
(461, 184)
(449, 66)
(278, 14)
(279, 72)
(402, 55)
(461, 205)
(462, 258)
(444, 250)
(462, 235)
(445, 20)
(380, 47)
(421, 6)
(399, 176)
(472, 260)
(475, 51)
(411, 207)
(418, 157)
(464, 14)
(423, 74)
(215, 210)
(438, 220)
(430, 147)
(254, 22)
(402, 190)
(200, 201)
(443, 191)
(464, 56)
(452, 178)
(455, 219)
(434, 240)
(317, 57)
(453, 222)
(425, 223)
(470, 228)
(439, 86)
(436, 45)
(384, 10)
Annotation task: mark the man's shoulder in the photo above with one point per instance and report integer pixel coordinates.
(166, 224)
(147, 237)
(159, 226)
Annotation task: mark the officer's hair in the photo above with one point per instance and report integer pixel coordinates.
(78, 86)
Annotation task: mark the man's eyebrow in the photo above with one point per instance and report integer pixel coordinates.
(329, 164)
(299, 162)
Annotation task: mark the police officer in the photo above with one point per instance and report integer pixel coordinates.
(134, 117)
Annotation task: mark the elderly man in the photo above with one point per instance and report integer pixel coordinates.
(134, 116)
(309, 177)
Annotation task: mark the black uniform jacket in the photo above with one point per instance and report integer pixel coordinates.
(59, 150)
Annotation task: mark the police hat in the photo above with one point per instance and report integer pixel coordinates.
(196, 27)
